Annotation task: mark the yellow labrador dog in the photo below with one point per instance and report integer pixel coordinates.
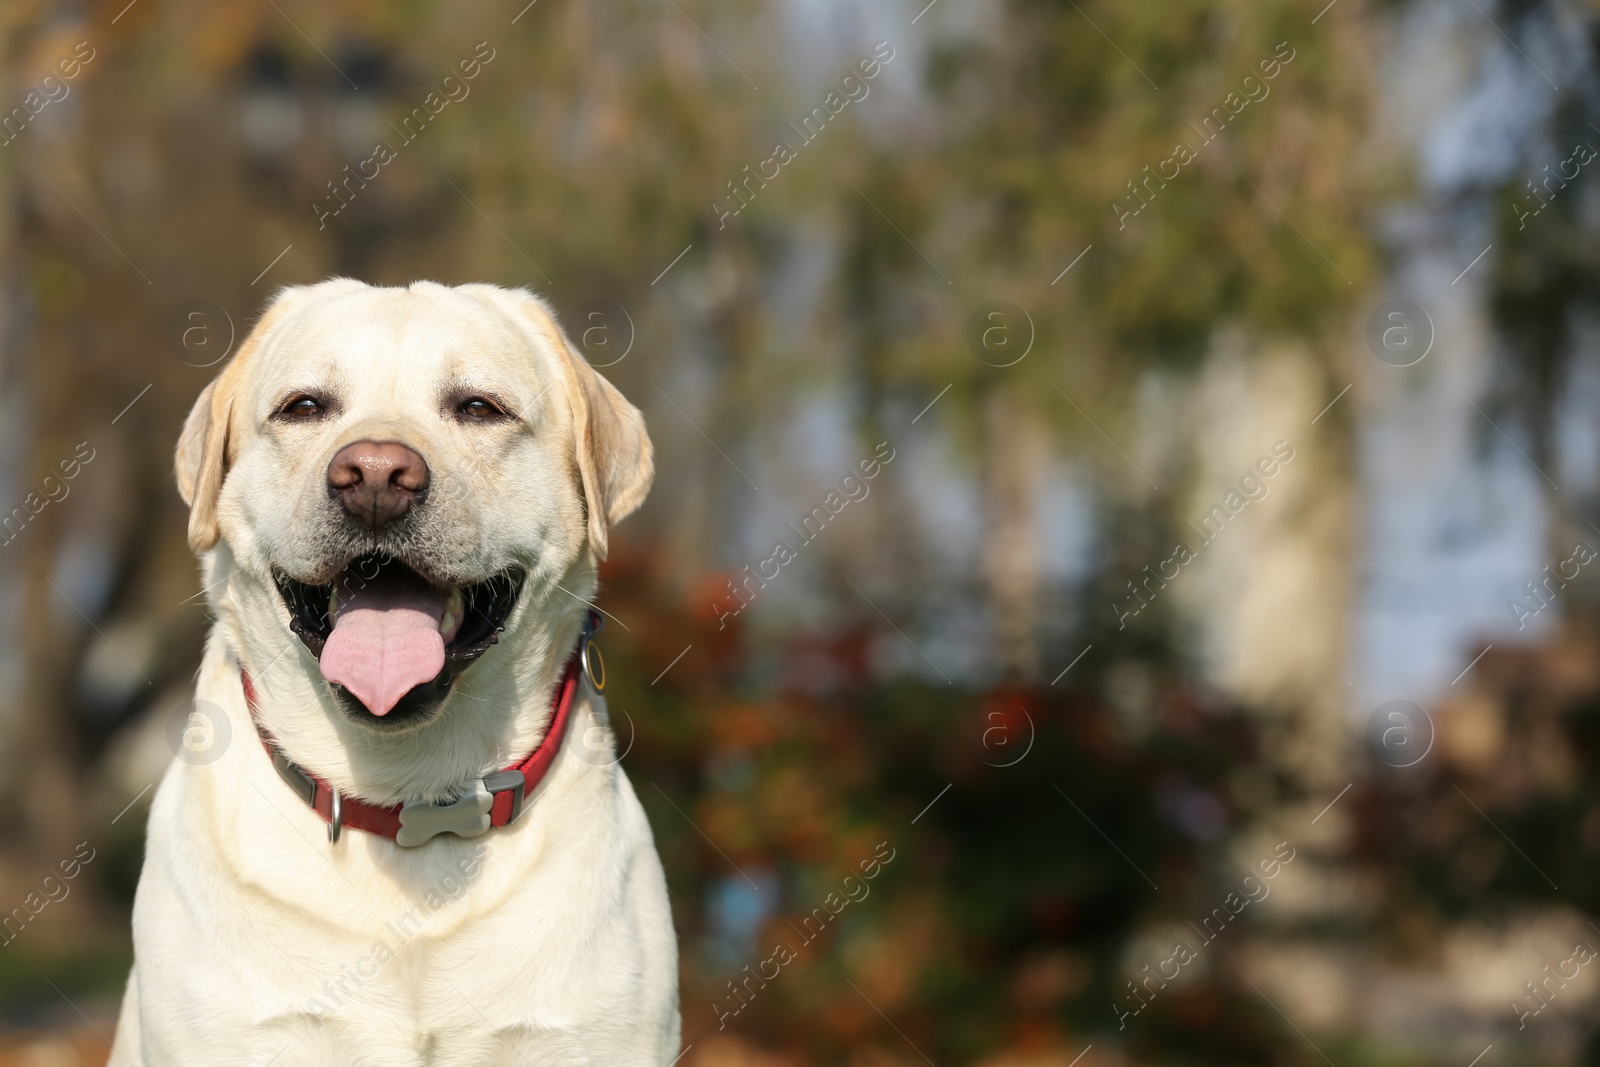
(404, 845)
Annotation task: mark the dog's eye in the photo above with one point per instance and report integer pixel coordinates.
(301, 407)
(477, 407)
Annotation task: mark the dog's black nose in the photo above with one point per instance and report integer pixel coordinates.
(377, 481)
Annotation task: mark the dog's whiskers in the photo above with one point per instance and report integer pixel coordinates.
(593, 605)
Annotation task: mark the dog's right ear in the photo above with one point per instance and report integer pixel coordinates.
(203, 453)
(190, 464)
(202, 457)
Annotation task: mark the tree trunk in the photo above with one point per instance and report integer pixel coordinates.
(1014, 455)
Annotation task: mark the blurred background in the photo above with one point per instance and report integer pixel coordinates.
(1226, 578)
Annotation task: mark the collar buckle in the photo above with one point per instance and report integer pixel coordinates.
(509, 781)
(294, 777)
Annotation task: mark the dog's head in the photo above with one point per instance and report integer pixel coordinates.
(400, 469)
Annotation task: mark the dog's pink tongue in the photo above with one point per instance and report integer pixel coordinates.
(385, 639)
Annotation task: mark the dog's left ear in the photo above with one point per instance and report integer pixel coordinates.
(616, 462)
(615, 458)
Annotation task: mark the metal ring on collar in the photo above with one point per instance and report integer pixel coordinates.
(336, 823)
(594, 665)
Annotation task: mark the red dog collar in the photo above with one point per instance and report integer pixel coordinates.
(494, 800)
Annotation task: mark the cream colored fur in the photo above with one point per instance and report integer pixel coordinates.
(255, 939)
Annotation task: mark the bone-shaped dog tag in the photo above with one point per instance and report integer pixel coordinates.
(467, 817)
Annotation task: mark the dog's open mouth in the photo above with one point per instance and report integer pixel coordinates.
(390, 638)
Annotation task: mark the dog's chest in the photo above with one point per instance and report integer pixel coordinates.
(556, 947)
(506, 988)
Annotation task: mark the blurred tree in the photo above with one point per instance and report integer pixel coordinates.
(1211, 228)
(1545, 270)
